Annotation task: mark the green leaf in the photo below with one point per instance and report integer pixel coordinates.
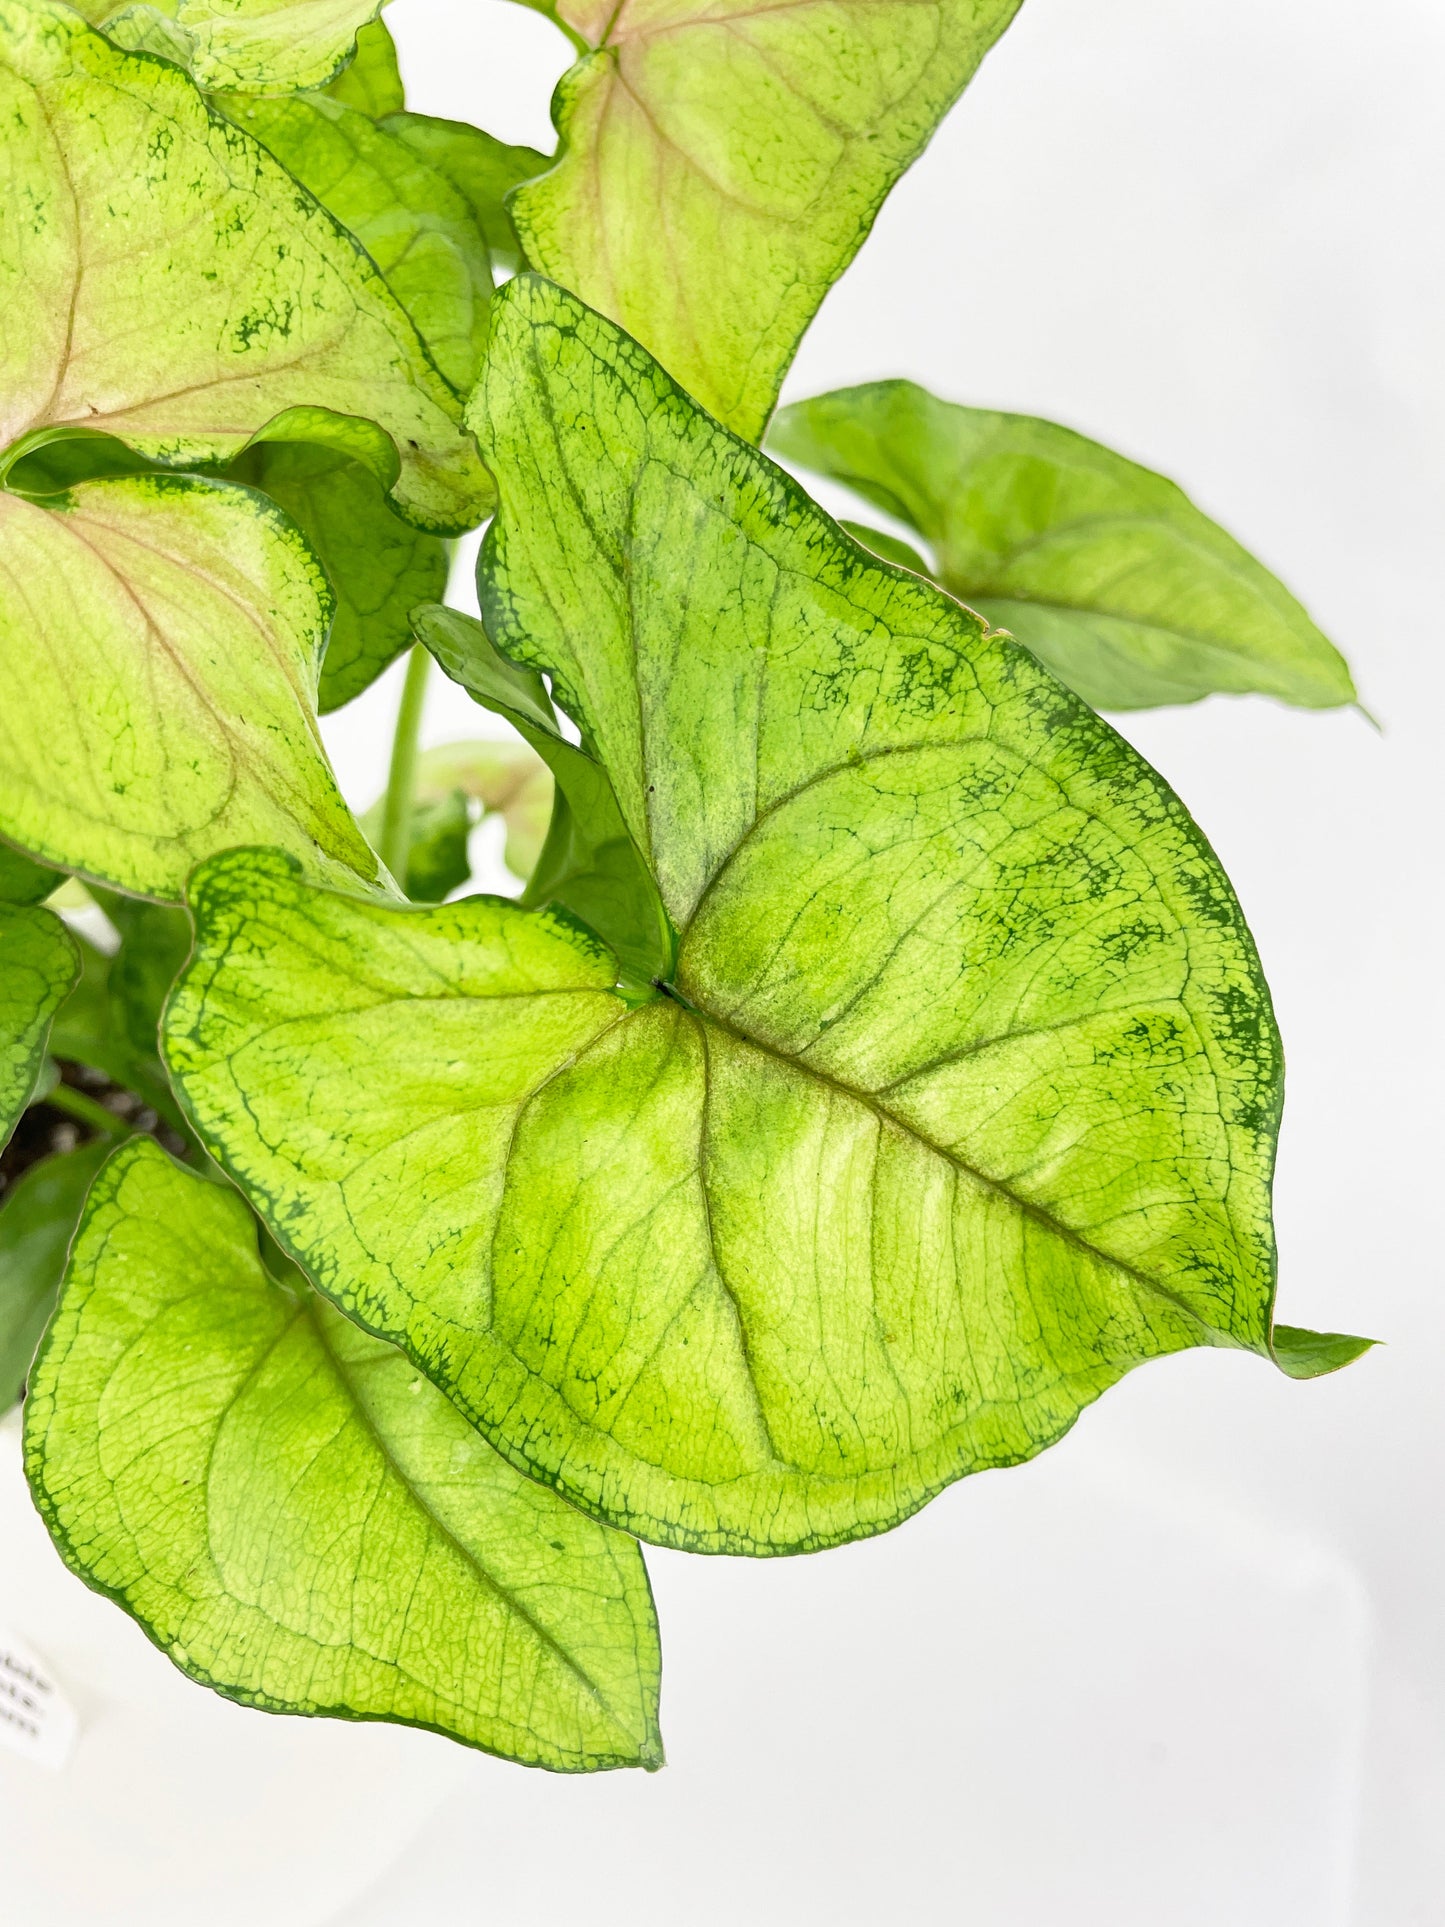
(962, 1098)
(719, 167)
(483, 170)
(37, 1221)
(1106, 571)
(410, 219)
(111, 1018)
(589, 864)
(1304, 1354)
(372, 81)
(508, 779)
(888, 547)
(193, 616)
(85, 1029)
(273, 46)
(301, 1522)
(38, 965)
(155, 942)
(379, 569)
(162, 280)
(147, 30)
(437, 860)
(22, 881)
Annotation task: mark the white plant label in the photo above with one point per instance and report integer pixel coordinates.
(36, 1719)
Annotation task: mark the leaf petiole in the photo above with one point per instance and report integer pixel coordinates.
(86, 1110)
(396, 825)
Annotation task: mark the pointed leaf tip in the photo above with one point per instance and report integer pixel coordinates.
(1307, 1354)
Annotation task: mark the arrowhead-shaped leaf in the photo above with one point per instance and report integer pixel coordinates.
(413, 223)
(297, 1518)
(163, 280)
(193, 616)
(37, 1221)
(1105, 570)
(721, 162)
(38, 965)
(961, 1099)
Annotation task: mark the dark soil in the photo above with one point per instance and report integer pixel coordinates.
(44, 1130)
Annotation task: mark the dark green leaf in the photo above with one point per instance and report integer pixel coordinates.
(438, 862)
(37, 1220)
(22, 881)
(38, 965)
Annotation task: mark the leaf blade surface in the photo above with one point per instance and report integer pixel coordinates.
(961, 1098)
(720, 164)
(1105, 570)
(314, 1529)
(164, 281)
(38, 966)
(193, 615)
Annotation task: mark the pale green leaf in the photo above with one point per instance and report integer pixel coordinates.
(192, 615)
(721, 161)
(38, 965)
(1105, 570)
(147, 30)
(163, 280)
(378, 567)
(413, 223)
(273, 46)
(37, 1221)
(297, 1518)
(961, 1099)
(372, 80)
(589, 863)
(483, 169)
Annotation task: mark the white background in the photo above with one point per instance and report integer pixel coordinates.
(1188, 1669)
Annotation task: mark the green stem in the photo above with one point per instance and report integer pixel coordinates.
(85, 1110)
(401, 781)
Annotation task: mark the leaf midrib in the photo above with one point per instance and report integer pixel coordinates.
(469, 1559)
(889, 1120)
